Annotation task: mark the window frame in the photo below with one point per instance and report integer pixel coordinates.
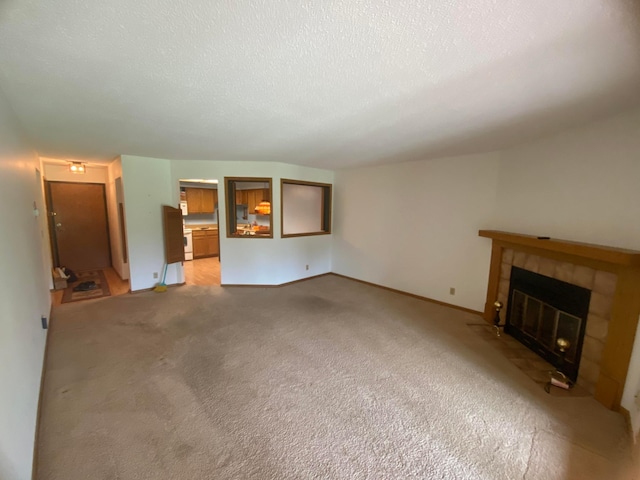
(327, 207)
(230, 201)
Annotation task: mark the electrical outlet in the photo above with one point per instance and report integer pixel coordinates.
(452, 291)
(155, 274)
(306, 267)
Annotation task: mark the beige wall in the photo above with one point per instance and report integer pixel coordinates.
(55, 172)
(414, 226)
(582, 185)
(24, 297)
(151, 182)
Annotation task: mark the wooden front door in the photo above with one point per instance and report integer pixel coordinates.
(78, 225)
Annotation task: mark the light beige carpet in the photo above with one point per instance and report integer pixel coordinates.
(327, 378)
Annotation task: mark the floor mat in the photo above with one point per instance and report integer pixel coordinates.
(96, 276)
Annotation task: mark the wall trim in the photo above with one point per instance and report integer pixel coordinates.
(394, 290)
(413, 295)
(36, 438)
(150, 289)
(275, 285)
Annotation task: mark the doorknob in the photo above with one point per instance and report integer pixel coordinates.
(58, 225)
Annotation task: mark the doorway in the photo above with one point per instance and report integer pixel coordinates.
(199, 205)
(78, 225)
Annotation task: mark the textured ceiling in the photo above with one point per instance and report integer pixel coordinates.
(332, 83)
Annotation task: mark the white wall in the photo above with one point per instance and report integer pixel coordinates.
(414, 226)
(24, 297)
(147, 186)
(150, 183)
(55, 172)
(581, 185)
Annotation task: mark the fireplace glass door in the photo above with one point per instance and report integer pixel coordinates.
(542, 310)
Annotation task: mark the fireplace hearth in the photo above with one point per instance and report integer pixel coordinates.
(611, 274)
(543, 310)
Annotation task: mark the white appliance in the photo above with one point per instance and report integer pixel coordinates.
(183, 207)
(188, 244)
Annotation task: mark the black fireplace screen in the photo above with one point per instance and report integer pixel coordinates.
(543, 309)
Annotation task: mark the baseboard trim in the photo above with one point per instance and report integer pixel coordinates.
(394, 290)
(36, 438)
(413, 295)
(142, 290)
(278, 285)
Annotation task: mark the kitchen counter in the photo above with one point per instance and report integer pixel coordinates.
(201, 227)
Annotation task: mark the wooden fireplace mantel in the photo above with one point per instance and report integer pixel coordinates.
(625, 311)
(616, 256)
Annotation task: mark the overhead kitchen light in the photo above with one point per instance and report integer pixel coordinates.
(263, 208)
(77, 167)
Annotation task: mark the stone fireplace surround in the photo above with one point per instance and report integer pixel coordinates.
(602, 285)
(612, 275)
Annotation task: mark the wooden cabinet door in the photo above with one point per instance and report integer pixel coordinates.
(208, 204)
(214, 244)
(199, 246)
(241, 197)
(194, 200)
(201, 200)
(254, 197)
(205, 243)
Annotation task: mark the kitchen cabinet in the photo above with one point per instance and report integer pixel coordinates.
(205, 243)
(201, 200)
(251, 198)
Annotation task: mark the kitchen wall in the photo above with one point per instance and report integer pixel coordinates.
(24, 296)
(150, 183)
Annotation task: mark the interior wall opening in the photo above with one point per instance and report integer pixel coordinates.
(199, 205)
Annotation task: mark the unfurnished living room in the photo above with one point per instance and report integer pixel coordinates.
(334, 239)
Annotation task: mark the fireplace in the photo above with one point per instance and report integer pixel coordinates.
(542, 310)
(612, 275)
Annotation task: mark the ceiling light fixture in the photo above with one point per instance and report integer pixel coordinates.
(77, 167)
(263, 208)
